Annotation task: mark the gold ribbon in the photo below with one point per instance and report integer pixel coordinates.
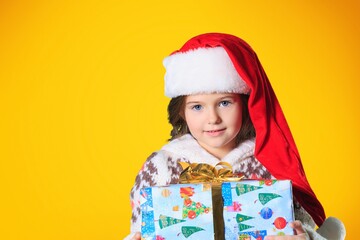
(202, 172)
(205, 173)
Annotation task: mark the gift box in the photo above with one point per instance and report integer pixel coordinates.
(225, 208)
(181, 211)
(254, 209)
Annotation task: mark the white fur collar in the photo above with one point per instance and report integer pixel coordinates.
(188, 148)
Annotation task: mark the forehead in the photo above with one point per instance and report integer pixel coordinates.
(210, 97)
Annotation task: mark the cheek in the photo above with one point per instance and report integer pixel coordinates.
(236, 120)
(193, 121)
(239, 123)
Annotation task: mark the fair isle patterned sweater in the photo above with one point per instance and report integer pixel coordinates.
(162, 168)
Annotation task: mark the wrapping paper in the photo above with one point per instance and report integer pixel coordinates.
(181, 211)
(254, 209)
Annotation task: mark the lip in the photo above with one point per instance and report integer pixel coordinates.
(215, 132)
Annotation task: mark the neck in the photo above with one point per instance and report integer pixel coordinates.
(219, 153)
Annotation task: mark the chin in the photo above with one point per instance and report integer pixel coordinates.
(220, 146)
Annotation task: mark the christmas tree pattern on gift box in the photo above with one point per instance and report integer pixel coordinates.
(189, 210)
(251, 195)
(188, 231)
(264, 198)
(193, 209)
(245, 188)
(240, 219)
(166, 221)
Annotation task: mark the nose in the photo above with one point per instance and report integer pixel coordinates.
(214, 117)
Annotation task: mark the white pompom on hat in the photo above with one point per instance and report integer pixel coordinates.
(201, 70)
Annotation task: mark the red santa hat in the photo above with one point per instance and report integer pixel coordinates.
(204, 70)
(216, 62)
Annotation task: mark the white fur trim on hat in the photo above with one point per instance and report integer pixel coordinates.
(203, 70)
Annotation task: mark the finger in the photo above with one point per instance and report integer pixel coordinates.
(276, 237)
(268, 238)
(137, 236)
(287, 237)
(297, 226)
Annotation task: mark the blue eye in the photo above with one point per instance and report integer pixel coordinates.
(224, 103)
(197, 107)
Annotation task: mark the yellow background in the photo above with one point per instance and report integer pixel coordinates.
(82, 105)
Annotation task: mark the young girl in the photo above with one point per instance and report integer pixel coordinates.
(223, 108)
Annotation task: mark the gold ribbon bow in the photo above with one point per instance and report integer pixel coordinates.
(205, 173)
(202, 172)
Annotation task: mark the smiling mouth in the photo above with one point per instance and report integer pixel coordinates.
(215, 131)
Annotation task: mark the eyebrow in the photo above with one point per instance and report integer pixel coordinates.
(217, 100)
(228, 96)
(193, 102)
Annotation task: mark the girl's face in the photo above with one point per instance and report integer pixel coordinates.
(214, 120)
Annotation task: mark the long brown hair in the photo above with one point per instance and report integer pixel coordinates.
(180, 128)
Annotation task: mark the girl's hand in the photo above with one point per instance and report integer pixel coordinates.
(300, 233)
(137, 236)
